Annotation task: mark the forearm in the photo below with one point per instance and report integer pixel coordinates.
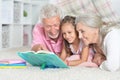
(85, 54)
(75, 62)
(83, 57)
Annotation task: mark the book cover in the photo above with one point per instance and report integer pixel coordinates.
(43, 59)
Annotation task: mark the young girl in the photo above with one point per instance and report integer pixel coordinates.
(74, 51)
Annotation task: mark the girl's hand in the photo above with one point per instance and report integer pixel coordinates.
(66, 62)
(98, 59)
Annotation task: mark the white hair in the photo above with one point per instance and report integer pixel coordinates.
(90, 20)
(50, 10)
(94, 21)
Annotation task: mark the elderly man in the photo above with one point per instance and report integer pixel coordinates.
(46, 34)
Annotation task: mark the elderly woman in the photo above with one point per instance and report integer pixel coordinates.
(106, 38)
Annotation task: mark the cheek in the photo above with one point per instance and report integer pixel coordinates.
(57, 28)
(87, 36)
(90, 37)
(46, 29)
(63, 36)
(74, 35)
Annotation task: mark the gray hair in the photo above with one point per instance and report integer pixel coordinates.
(95, 21)
(50, 10)
(90, 20)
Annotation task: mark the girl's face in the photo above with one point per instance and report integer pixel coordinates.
(88, 34)
(68, 32)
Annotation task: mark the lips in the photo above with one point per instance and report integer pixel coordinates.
(69, 40)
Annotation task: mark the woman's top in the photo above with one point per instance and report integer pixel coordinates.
(111, 46)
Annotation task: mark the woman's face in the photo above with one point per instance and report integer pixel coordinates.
(68, 32)
(87, 34)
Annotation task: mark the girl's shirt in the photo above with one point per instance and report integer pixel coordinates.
(80, 49)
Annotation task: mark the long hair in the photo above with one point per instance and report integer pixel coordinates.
(71, 20)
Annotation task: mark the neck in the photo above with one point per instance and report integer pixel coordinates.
(55, 39)
(76, 44)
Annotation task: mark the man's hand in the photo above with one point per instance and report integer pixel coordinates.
(38, 47)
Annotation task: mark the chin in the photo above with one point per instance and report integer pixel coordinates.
(53, 36)
(70, 42)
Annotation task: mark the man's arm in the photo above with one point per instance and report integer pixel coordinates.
(37, 43)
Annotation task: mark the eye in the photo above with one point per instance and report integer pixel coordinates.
(63, 33)
(82, 31)
(56, 25)
(47, 26)
(69, 32)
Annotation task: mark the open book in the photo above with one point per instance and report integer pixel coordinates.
(44, 59)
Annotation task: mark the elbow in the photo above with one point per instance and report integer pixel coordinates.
(113, 68)
(113, 65)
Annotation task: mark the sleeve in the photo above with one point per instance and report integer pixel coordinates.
(37, 35)
(112, 48)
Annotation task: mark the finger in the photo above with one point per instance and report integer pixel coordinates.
(39, 48)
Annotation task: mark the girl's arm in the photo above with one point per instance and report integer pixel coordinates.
(83, 57)
(63, 54)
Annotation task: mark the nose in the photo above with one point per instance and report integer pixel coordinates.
(53, 30)
(80, 35)
(66, 36)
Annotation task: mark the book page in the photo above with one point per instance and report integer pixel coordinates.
(44, 52)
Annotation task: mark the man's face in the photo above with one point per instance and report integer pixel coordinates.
(52, 26)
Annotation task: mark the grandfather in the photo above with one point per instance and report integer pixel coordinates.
(46, 33)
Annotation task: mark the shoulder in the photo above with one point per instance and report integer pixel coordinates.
(38, 27)
(113, 33)
(112, 36)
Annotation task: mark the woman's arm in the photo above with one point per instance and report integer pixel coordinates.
(112, 49)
